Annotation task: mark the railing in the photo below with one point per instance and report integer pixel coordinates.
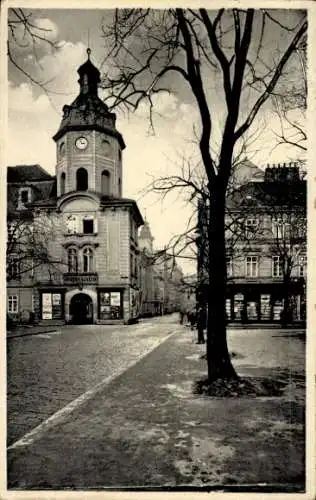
(81, 278)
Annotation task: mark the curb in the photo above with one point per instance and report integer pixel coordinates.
(28, 334)
(59, 417)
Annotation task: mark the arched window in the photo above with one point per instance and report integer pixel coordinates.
(62, 183)
(88, 260)
(82, 179)
(72, 260)
(105, 182)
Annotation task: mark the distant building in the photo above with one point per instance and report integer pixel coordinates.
(160, 278)
(266, 248)
(151, 300)
(89, 270)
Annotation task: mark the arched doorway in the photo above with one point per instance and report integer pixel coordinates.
(81, 309)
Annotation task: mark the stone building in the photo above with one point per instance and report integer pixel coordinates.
(91, 270)
(265, 246)
(151, 299)
(161, 278)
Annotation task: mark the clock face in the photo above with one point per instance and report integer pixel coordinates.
(81, 143)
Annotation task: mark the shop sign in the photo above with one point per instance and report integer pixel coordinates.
(252, 310)
(265, 299)
(277, 309)
(47, 315)
(228, 310)
(46, 299)
(115, 299)
(56, 299)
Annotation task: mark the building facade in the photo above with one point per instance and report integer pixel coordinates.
(266, 248)
(90, 273)
(161, 278)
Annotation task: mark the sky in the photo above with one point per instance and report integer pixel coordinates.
(34, 118)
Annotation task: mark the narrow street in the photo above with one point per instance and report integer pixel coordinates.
(48, 371)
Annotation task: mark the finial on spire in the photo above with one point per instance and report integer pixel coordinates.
(88, 52)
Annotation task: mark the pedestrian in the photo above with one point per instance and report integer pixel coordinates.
(192, 318)
(181, 313)
(201, 325)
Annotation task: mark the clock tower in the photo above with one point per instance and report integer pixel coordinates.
(89, 147)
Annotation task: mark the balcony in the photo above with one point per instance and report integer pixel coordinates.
(81, 279)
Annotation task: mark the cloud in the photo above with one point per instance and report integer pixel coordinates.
(35, 35)
(22, 99)
(47, 28)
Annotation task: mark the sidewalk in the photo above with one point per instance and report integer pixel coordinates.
(22, 331)
(147, 429)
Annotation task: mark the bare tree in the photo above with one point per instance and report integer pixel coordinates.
(25, 34)
(290, 105)
(28, 246)
(147, 46)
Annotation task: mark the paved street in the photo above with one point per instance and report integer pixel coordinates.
(48, 371)
(146, 427)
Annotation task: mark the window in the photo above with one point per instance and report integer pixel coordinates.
(62, 183)
(105, 182)
(33, 303)
(229, 266)
(72, 260)
(62, 149)
(12, 232)
(24, 196)
(280, 227)
(87, 260)
(302, 266)
(13, 304)
(72, 224)
(106, 147)
(252, 267)
(251, 226)
(14, 268)
(276, 267)
(88, 225)
(82, 179)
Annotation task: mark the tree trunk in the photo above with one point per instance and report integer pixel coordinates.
(286, 301)
(218, 357)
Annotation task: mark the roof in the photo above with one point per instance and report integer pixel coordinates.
(88, 111)
(247, 171)
(286, 195)
(145, 232)
(109, 201)
(27, 173)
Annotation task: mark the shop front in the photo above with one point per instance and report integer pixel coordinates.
(252, 303)
(52, 304)
(110, 304)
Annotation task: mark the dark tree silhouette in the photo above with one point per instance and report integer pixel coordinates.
(147, 46)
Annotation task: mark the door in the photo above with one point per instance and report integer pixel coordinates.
(81, 309)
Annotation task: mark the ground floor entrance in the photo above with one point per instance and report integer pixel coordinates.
(81, 309)
(96, 305)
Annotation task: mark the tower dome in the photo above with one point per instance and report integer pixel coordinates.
(89, 76)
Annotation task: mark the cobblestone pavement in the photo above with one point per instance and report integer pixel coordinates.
(45, 372)
(148, 429)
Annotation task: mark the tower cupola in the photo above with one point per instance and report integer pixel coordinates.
(89, 77)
